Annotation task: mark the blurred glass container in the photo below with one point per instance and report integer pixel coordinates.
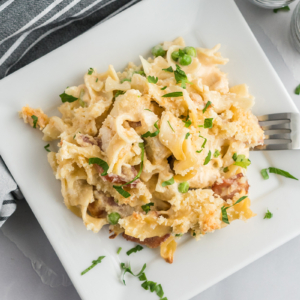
(295, 28)
(271, 4)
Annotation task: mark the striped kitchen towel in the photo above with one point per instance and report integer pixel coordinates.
(30, 29)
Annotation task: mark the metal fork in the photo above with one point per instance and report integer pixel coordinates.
(282, 131)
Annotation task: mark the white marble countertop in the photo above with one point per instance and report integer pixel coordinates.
(274, 276)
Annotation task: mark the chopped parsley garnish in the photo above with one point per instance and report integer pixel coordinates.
(199, 151)
(140, 73)
(286, 174)
(134, 250)
(67, 98)
(181, 77)
(154, 287)
(119, 250)
(297, 90)
(163, 88)
(285, 8)
(153, 134)
(152, 79)
(97, 79)
(46, 148)
(224, 210)
(168, 70)
(81, 102)
(119, 188)
(206, 106)
(264, 174)
(146, 208)
(187, 135)
(208, 123)
(143, 277)
(234, 156)
(148, 109)
(242, 161)
(207, 158)
(113, 218)
(268, 215)
(183, 187)
(225, 170)
(178, 234)
(217, 153)
(35, 119)
(205, 140)
(174, 94)
(171, 126)
(187, 123)
(103, 164)
(118, 93)
(125, 79)
(128, 270)
(168, 182)
(94, 263)
(90, 71)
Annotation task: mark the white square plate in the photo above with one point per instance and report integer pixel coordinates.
(197, 265)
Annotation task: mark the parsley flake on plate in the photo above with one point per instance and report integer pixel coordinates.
(128, 270)
(94, 263)
(135, 249)
(285, 8)
(265, 175)
(46, 148)
(268, 215)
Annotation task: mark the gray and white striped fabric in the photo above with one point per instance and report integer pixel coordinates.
(30, 29)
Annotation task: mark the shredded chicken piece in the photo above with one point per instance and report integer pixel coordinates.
(229, 187)
(152, 242)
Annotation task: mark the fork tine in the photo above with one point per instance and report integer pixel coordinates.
(284, 126)
(274, 147)
(273, 117)
(280, 136)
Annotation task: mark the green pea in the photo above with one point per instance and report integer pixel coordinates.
(185, 60)
(183, 187)
(175, 55)
(113, 218)
(190, 51)
(158, 51)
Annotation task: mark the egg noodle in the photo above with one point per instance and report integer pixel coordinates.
(156, 151)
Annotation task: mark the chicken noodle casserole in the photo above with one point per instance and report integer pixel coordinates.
(156, 151)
